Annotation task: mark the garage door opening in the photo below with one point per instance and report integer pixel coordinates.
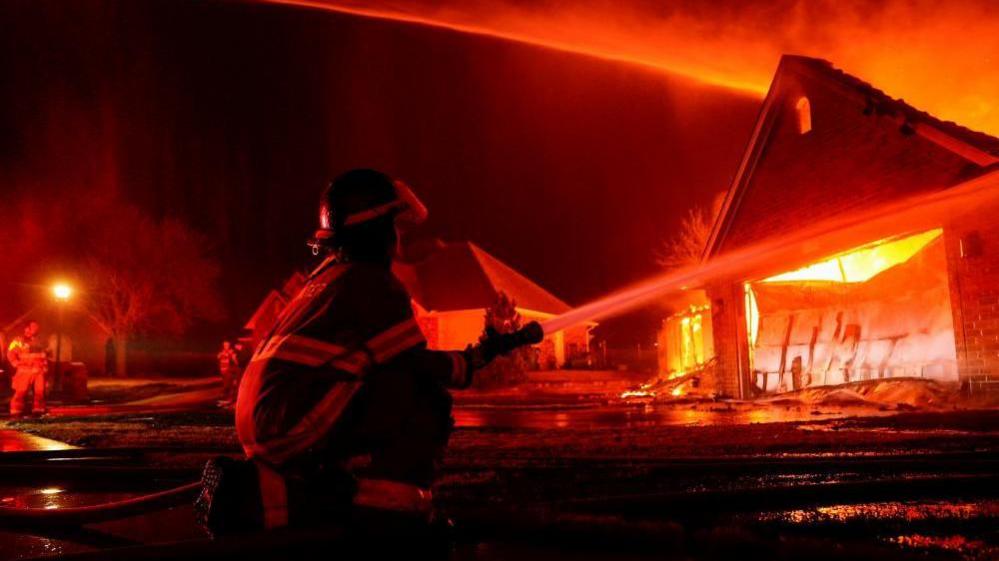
(878, 311)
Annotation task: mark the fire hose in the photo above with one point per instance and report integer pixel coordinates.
(78, 516)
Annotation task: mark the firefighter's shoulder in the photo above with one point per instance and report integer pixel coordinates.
(372, 279)
(376, 295)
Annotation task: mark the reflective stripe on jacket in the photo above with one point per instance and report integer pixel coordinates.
(346, 322)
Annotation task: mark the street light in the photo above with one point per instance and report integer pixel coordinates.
(62, 292)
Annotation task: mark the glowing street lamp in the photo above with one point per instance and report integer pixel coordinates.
(61, 291)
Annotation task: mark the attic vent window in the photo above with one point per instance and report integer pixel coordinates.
(804, 110)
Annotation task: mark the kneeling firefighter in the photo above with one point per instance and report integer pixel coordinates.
(342, 410)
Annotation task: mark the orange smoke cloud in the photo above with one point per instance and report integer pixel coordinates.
(940, 57)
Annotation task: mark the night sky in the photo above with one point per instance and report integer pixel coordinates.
(233, 116)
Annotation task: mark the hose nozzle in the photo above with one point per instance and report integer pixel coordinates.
(496, 344)
(530, 334)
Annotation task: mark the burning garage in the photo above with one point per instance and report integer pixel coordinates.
(921, 302)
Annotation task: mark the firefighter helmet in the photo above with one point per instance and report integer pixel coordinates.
(361, 198)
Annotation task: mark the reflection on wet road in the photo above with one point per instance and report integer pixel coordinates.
(902, 511)
(959, 529)
(498, 464)
(16, 441)
(56, 497)
(634, 415)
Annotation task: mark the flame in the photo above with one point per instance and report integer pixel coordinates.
(941, 57)
(859, 265)
(637, 393)
(646, 391)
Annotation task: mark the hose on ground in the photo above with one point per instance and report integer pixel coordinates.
(78, 516)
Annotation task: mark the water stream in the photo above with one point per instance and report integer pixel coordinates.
(787, 252)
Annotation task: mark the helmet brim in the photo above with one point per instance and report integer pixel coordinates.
(414, 212)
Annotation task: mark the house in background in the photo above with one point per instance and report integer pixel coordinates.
(921, 302)
(451, 290)
(266, 314)
(456, 283)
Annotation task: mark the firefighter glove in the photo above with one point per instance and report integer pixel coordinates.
(495, 344)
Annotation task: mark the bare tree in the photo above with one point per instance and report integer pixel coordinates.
(687, 245)
(135, 273)
(145, 275)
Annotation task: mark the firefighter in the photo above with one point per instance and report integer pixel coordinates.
(343, 398)
(30, 363)
(229, 370)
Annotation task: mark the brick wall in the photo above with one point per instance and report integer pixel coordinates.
(974, 284)
(729, 336)
(850, 160)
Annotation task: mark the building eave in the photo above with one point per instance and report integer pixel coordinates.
(761, 131)
(864, 94)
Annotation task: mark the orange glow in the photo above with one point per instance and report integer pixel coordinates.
(646, 392)
(882, 511)
(804, 109)
(945, 67)
(861, 264)
(531, 32)
(62, 291)
(752, 318)
(685, 340)
(847, 318)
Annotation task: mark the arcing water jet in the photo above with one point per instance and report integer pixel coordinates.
(392, 13)
(944, 69)
(786, 252)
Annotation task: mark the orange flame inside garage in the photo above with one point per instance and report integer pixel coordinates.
(861, 264)
(878, 311)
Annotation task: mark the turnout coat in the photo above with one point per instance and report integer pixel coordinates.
(348, 321)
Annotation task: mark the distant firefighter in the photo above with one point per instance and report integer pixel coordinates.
(28, 358)
(229, 370)
(342, 409)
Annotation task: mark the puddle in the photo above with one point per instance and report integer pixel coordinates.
(901, 511)
(969, 548)
(17, 441)
(56, 497)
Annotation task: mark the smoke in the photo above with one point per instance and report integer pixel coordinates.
(942, 57)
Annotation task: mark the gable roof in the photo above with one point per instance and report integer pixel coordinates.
(979, 150)
(274, 302)
(463, 276)
(268, 308)
(883, 103)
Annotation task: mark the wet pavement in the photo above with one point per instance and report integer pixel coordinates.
(17, 441)
(552, 443)
(624, 414)
(949, 529)
(159, 527)
(876, 531)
